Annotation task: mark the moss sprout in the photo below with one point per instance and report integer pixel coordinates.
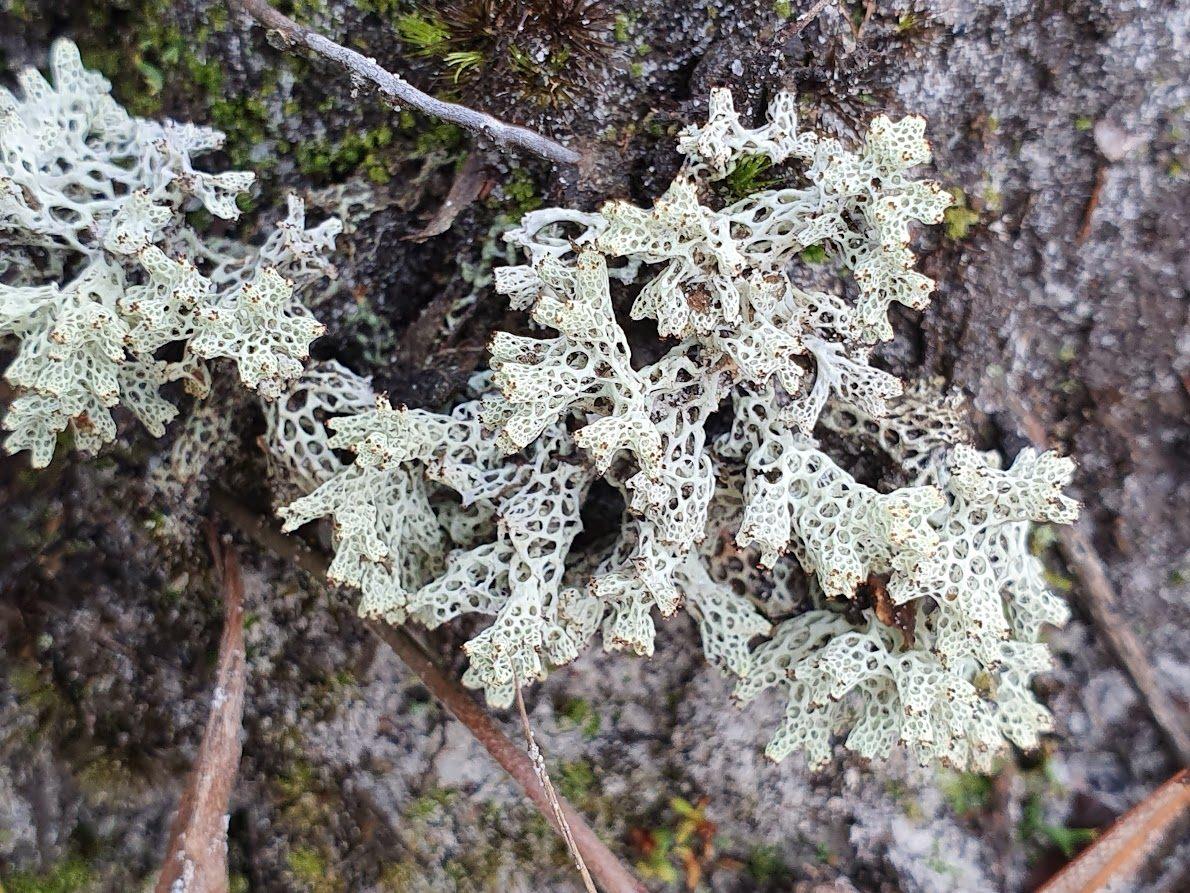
(535, 51)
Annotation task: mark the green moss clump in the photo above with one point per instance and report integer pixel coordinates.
(908, 22)
(311, 868)
(765, 865)
(622, 26)
(521, 192)
(672, 848)
(71, 875)
(967, 793)
(307, 11)
(814, 254)
(399, 877)
(424, 33)
(298, 779)
(575, 780)
(543, 56)
(578, 713)
(656, 864)
(748, 176)
(386, 9)
(430, 802)
(244, 120)
(371, 333)
(164, 57)
(1035, 829)
(34, 692)
(19, 9)
(334, 161)
(958, 219)
(1058, 581)
(438, 137)
(158, 56)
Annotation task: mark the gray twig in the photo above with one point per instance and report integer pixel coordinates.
(538, 760)
(397, 91)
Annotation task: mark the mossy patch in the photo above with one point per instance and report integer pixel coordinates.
(435, 137)
(967, 793)
(313, 870)
(766, 867)
(521, 192)
(1034, 829)
(431, 803)
(750, 175)
(540, 57)
(681, 845)
(333, 161)
(575, 780)
(166, 60)
(579, 713)
(72, 875)
(814, 254)
(958, 219)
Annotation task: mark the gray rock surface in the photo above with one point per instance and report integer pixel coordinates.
(1064, 294)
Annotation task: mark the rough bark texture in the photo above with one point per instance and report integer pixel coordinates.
(1063, 294)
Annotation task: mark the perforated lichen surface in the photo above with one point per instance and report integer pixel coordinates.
(109, 291)
(926, 607)
(476, 512)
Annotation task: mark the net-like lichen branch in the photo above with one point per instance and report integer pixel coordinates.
(108, 289)
(608, 870)
(926, 606)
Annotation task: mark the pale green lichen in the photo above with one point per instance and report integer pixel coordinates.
(926, 604)
(101, 271)
(436, 517)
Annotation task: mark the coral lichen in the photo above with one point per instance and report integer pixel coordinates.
(101, 274)
(436, 517)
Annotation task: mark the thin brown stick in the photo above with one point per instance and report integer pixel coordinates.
(196, 856)
(399, 92)
(1097, 596)
(1084, 231)
(869, 8)
(612, 875)
(268, 536)
(543, 776)
(1116, 857)
(799, 24)
(468, 183)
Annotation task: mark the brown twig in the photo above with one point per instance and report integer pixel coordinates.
(399, 92)
(798, 25)
(869, 8)
(469, 183)
(1097, 596)
(1084, 231)
(543, 776)
(1114, 859)
(612, 875)
(196, 856)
